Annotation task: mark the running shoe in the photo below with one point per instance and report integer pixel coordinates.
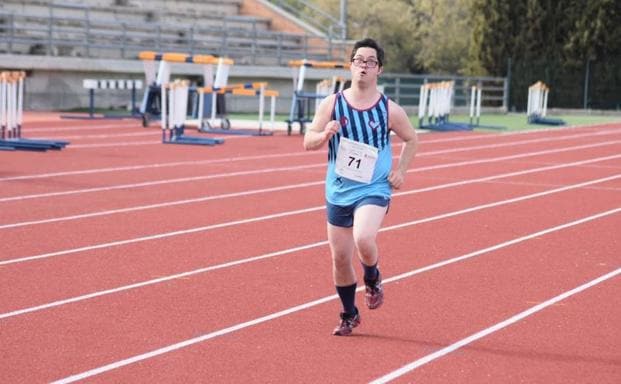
(374, 292)
(348, 322)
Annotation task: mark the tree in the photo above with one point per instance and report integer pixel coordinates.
(441, 30)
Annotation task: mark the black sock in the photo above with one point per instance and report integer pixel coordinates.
(348, 298)
(370, 272)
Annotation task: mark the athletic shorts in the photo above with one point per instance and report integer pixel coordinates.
(343, 216)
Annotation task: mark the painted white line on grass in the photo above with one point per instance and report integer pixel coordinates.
(186, 343)
(278, 253)
(315, 183)
(495, 328)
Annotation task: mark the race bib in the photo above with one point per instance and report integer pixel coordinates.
(356, 161)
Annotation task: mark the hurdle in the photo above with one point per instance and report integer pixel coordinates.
(326, 87)
(11, 116)
(174, 99)
(475, 105)
(476, 93)
(93, 84)
(434, 105)
(245, 89)
(538, 105)
(154, 78)
(300, 103)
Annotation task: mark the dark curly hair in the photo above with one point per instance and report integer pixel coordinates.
(369, 43)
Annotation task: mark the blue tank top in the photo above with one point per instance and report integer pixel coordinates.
(369, 126)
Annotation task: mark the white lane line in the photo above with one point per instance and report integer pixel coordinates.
(161, 182)
(494, 328)
(290, 154)
(295, 212)
(279, 253)
(286, 169)
(321, 182)
(156, 166)
(431, 153)
(160, 236)
(163, 205)
(204, 162)
(186, 343)
(81, 128)
(134, 124)
(109, 135)
(117, 144)
(605, 124)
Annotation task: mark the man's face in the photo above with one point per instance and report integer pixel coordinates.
(365, 64)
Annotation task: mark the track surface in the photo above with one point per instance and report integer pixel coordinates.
(126, 260)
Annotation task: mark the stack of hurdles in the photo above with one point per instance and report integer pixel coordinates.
(214, 84)
(11, 116)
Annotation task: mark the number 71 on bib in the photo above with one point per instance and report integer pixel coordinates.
(355, 161)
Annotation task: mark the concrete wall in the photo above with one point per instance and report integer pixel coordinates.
(55, 83)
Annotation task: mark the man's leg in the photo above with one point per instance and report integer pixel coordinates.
(344, 276)
(367, 222)
(342, 248)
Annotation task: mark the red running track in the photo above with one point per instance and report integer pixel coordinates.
(125, 260)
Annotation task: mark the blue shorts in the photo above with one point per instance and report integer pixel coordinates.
(343, 216)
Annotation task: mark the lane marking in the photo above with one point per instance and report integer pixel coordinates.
(142, 143)
(161, 182)
(309, 184)
(224, 331)
(495, 328)
(152, 166)
(109, 135)
(82, 128)
(269, 255)
(300, 211)
(286, 169)
(301, 153)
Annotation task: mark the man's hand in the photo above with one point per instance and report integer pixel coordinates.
(395, 178)
(331, 129)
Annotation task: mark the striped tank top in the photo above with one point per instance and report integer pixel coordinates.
(369, 126)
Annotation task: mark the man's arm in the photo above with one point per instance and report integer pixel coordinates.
(321, 128)
(401, 125)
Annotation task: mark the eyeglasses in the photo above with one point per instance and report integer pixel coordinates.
(358, 62)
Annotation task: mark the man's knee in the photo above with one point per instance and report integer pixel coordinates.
(365, 242)
(341, 261)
